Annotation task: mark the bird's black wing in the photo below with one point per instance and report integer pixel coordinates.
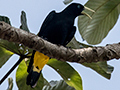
(46, 22)
(70, 35)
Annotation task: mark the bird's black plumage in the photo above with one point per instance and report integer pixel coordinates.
(57, 28)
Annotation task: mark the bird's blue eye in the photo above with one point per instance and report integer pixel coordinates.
(78, 6)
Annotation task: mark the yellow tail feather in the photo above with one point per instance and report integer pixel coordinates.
(39, 61)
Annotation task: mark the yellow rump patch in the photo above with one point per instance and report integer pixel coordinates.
(39, 61)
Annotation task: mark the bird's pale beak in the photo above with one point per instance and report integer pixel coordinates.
(84, 13)
(89, 9)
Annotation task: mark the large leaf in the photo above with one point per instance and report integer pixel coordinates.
(101, 67)
(4, 56)
(58, 85)
(21, 76)
(96, 29)
(69, 74)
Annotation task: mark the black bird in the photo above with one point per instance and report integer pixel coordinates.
(57, 28)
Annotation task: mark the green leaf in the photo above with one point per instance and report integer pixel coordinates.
(11, 46)
(67, 1)
(4, 56)
(24, 21)
(101, 67)
(21, 76)
(58, 85)
(5, 19)
(96, 29)
(10, 82)
(118, 8)
(77, 45)
(69, 74)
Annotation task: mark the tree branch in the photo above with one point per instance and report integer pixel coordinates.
(30, 40)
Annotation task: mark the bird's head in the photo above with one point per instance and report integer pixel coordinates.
(75, 8)
(78, 9)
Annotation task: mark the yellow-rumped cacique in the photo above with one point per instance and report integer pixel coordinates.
(57, 28)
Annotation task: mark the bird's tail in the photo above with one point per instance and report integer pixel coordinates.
(39, 60)
(32, 78)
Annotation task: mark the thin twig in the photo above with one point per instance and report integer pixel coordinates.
(9, 72)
